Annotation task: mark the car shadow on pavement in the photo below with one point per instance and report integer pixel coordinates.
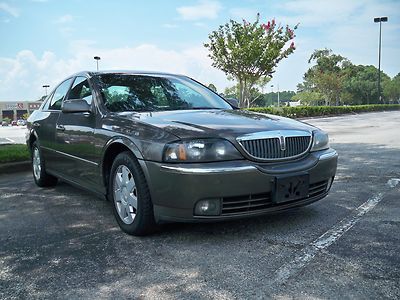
(64, 242)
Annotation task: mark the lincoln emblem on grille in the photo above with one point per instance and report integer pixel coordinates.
(282, 142)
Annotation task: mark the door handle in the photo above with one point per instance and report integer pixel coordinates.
(60, 127)
(36, 125)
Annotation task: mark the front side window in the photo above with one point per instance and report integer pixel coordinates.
(124, 92)
(59, 95)
(81, 90)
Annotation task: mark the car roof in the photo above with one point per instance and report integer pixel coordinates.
(127, 72)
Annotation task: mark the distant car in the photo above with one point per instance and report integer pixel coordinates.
(164, 147)
(4, 123)
(21, 122)
(14, 123)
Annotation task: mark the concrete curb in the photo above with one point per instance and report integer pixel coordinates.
(14, 167)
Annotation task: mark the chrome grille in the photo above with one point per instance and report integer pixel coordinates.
(276, 145)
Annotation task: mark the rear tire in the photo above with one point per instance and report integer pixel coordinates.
(40, 176)
(130, 195)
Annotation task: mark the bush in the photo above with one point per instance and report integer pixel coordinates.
(314, 111)
(12, 153)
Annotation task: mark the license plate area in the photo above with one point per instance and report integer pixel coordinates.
(290, 188)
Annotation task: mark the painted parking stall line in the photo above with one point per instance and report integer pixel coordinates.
(329, 237)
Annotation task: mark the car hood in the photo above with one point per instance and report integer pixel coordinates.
(216, 123)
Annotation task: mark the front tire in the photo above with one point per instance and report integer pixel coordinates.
(130, 196)
(40, 176)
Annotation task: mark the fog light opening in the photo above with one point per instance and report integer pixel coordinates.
(208, 207)
(329, 185)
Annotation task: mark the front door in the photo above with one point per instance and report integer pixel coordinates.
(75, 138)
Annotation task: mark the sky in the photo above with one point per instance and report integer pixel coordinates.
(44, 41)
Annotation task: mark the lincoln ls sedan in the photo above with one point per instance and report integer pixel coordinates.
(164, 148)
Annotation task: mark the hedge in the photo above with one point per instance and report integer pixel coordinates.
(314, 111)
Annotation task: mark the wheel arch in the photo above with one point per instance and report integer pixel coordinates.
(32, 138)
(114, 147)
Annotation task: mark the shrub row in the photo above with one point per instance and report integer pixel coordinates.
(314, 111)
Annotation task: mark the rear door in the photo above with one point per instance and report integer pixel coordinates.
(75, 138)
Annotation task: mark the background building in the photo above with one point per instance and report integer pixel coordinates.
(15, 110)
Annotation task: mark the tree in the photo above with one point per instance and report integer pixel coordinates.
(361, 84)
(249, 52)
(212, 87)
(308, 98)
(254, 95)
(391, 89)
(326, 76)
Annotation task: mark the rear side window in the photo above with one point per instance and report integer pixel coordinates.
(59, 95)
(81, 90)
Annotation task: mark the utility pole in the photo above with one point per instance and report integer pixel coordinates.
(278, 96)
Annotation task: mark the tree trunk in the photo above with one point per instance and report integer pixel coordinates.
(241, 100)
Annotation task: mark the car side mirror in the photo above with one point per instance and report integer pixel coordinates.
(233, 102)
(75, 106)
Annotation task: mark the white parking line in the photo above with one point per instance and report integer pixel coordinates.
(328, 238)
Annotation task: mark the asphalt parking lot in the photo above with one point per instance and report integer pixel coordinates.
(64, 243)
(12, 134)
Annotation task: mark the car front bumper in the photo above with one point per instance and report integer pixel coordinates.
(243, 188)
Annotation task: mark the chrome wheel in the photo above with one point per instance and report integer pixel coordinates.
(37, 168)
(125, 194)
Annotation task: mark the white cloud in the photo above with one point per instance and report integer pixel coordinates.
(346, 27)
(22, 77)
(9, 9)
(65, 19)
(205, 9)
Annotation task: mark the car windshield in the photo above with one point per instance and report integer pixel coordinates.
(124, 92)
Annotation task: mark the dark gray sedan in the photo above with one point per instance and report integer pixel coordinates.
(163, 147)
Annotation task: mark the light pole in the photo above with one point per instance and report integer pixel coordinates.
(272, 94)
(45, 88)
(380, 20)
(278, 97)
(97, 58)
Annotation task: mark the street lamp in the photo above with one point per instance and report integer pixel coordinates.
(97, 58)
(45, 88)
(380, 20)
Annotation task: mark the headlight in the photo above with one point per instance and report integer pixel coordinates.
(320, 141)
(201, 150)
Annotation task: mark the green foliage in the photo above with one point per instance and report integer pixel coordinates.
(271, 99)
(334, 79)
(391, 89)
(327, 75)
(8, 120)
(361, 84)
(212, 87)
(12, 153)
(308, 98)
(249, 52)
(313, 111)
